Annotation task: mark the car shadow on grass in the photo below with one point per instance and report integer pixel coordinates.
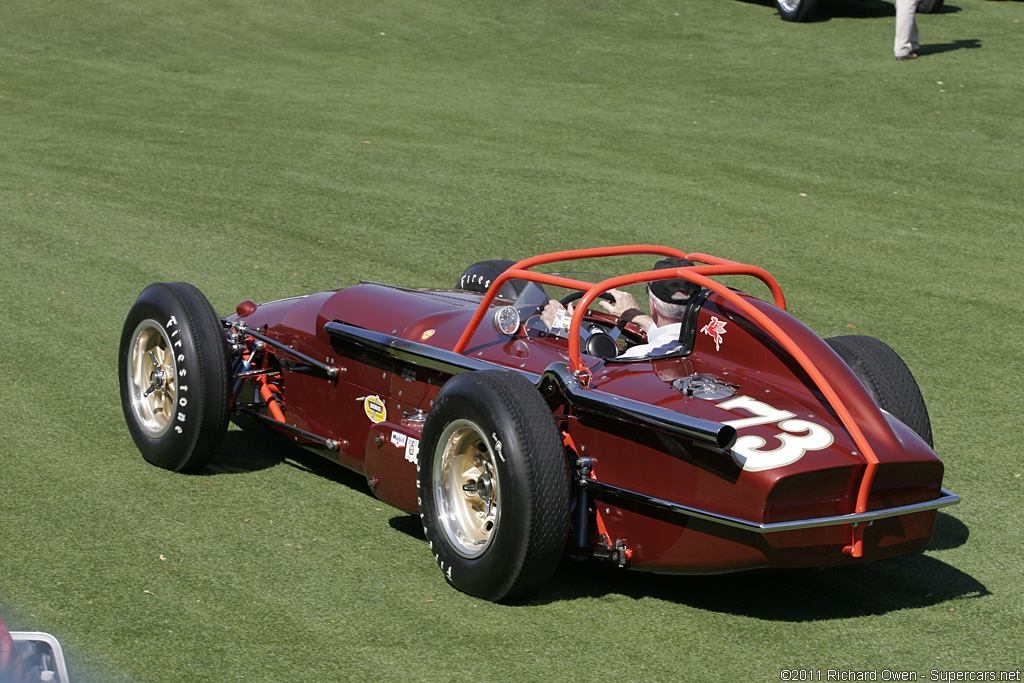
(914, 581)
(910, 581)
(851, 9)
(254, 446)
(410, 525)
(937, 48)
(247, 449)
(868, 9)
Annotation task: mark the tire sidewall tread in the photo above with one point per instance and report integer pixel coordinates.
(534, 484)
(887, 379)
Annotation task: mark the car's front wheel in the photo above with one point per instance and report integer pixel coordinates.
(493, 485)
(796, 10)
(174, 372)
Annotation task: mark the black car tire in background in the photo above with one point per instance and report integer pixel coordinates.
(929, 6)
(493, 485)
(479, 276)
(796, 10)
(887, 378)
(174, 371)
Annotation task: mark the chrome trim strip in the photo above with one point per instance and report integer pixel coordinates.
(714, 434)
(598, 488)
(555, 378)
(428, 356)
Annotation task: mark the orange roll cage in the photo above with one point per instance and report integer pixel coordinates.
(700, 275)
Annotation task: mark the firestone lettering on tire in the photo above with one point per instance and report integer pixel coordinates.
(192, 425)
(474, 279)
(172, 323)
(183, 389)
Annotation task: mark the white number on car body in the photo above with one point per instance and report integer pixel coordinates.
(797, 436)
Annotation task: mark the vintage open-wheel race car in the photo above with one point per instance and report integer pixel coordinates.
(750, 442)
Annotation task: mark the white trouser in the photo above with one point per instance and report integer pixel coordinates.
(906, 28)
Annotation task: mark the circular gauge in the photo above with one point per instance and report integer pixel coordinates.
(506, 320)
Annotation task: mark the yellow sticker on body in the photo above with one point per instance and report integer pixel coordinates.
(375, 409)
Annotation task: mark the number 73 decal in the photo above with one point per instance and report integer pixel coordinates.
(796, 436)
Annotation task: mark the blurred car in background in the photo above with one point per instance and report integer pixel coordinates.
(804, 10)
(30, 657)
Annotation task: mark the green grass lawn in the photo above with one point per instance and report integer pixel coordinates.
(263, 149)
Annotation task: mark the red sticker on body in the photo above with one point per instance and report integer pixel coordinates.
(715, 328)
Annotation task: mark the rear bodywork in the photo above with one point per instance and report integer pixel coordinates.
(753, 446)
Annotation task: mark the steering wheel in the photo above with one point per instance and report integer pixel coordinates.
(573, 296)
(599, 343)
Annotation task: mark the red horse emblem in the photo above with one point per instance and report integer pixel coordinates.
(715, 328)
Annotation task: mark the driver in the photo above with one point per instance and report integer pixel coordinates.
(668, 300)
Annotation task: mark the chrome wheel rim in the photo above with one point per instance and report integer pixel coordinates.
(789, 5)
(152, 378)
(467, 491)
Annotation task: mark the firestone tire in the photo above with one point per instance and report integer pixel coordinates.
(479, 276)
(494, 487)
(887, 378)
(796, 10)
(174, 373)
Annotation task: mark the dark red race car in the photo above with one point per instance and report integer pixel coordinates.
(748, 442)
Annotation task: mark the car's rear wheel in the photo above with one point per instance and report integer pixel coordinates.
(174, 372)
(887, 379)
(493, 485)
(796, 10)
(929, 6)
